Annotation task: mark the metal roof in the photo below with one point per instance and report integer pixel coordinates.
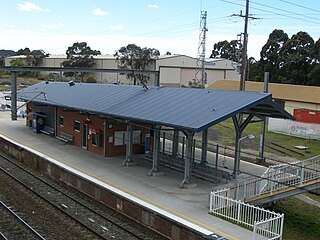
(183, 108)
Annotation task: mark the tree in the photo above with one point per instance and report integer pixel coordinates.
(136, 58)
(270, 54)
(18, 62)
(296, 59)
(228, 50)
(314, 74)
(79, 55)
(33, 58)
(25, 51)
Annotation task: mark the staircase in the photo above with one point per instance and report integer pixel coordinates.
(280, 181)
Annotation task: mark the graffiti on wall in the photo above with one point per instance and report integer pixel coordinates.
(294, 128)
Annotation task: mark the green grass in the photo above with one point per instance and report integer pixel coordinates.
(20, 80)
(225, 134)
(314, 197)
(301, 220)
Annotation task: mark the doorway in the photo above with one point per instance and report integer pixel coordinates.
(85, 136)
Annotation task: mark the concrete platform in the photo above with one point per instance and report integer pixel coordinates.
(188, 205)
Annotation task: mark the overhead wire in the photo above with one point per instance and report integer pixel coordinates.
(286, 11)
(276, 13)
(297, 5)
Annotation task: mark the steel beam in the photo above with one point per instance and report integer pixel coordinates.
(13, 96)
(129, 144)
(204, 147)
(186, 183)
(156, 150)
(175, 143)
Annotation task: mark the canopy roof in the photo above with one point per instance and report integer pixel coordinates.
(182, 108)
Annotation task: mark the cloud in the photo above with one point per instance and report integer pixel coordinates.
(99, 12)
(29, 6)
(153, 6)
(53, 26)
(117, 27)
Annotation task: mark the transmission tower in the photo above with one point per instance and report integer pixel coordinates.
(201, 79)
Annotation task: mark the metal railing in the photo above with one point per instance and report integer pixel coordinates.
(265, 224)
(278, 177)
(211, 169)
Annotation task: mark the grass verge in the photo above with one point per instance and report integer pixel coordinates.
(225, 134)
(301, 220)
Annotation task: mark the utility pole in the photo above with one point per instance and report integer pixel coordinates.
(244, 50)
(201, 77)
(243, 70)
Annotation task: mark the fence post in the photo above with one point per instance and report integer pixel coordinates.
(194, 149)
(281, 226)
(239, 211)
(217, 156)
(254, 230)
(163, 143)
(302, 173)
(183, 139)
(210, 210)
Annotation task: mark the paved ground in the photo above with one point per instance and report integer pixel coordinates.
(162, 192)
(308, 200)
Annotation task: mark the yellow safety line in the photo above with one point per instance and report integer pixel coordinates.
(130, 192)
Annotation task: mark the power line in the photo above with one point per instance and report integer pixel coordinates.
(276, 13)
(294, 4)
(286, 11)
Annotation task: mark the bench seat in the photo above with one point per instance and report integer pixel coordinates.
(67, 138)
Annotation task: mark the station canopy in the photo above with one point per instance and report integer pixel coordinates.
(181, 108)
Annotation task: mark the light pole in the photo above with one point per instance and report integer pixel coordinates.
(237, 159)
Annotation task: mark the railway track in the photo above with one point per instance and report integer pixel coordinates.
(100, 224)
(14, 227)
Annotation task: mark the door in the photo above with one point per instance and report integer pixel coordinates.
(85, 136)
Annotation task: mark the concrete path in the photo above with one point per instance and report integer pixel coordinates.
(308, 200)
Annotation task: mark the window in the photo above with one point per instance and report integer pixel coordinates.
(119, 138)
(61, 120)
(136, 136)
(96, 139)
(76, 126)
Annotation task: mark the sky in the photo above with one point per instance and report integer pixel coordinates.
(167, 25)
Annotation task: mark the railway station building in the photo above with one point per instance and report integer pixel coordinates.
(122, 120)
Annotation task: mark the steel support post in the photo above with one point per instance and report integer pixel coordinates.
(105, 140)
(157, 79)
(163, 143)
(129, 142)
(263, 123)
(186, 183)
(156, 150)
(13, 96)
(204, 147)
(175, 143)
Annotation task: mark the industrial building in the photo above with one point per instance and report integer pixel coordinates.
(175, 70)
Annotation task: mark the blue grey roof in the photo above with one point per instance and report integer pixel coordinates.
(183, 108)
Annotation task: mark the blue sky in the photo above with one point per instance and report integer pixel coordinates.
(168, 25)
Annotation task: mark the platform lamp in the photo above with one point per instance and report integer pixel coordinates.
(249, 136)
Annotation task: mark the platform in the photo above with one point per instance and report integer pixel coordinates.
(190, 206)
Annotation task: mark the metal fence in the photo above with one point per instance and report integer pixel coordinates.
(278, 177)
(214, 168)
(216, 155)
(265, 224)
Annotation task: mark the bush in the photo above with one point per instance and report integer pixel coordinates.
(90, 79)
